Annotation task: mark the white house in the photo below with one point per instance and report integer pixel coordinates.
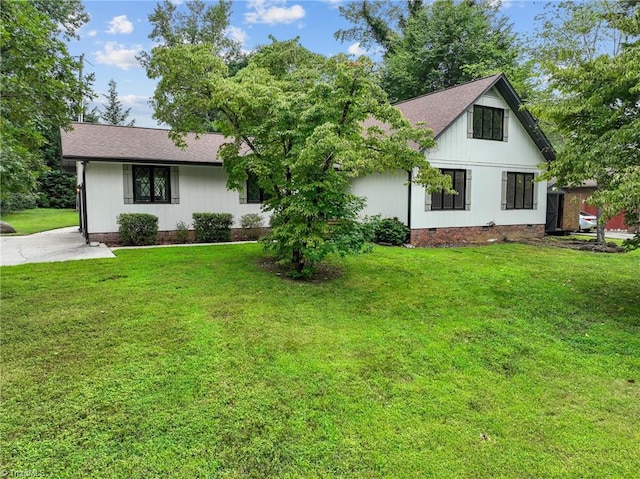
(488, 145)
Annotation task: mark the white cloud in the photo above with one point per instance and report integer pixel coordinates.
(356, 50)
(333, 3)
(92, 33)
(131, 100)
(237, 34)
(272, 12)
(502, 3)
(120, 24)
(118, 55)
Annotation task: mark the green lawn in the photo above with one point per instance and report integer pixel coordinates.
(40, 219)
(500, 361)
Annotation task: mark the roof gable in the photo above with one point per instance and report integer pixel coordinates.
(439, 110)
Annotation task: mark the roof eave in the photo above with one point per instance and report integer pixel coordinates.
(139, 160)
(527, 120)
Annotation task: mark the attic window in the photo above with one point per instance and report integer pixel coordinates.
(488, 123)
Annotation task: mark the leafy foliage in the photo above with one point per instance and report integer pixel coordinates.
(431, 46)
(389, 231)
(181, 233)
(114, 113)
(304, 125)
(251, 224)
(212, 227)
(138, 229)
(251, 220)
(12, 202)
(38, 80)
(632, 243)
(595, 105)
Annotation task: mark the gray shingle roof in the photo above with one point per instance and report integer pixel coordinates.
(92, 141)
(438, 110)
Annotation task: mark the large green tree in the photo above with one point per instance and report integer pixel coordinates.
(428, 46)
(114, 113)
(302, 124)
(595, 104)
(38, 81)
(196, 23)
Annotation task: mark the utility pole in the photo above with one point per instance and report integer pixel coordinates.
(81, 112)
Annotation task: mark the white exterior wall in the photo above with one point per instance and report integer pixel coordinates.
(486, 159)
(202, 189)
(386, 194)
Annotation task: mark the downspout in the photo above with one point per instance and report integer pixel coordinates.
(409, 176)
(84, 200)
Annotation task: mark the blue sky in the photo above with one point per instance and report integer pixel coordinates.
(119, 29)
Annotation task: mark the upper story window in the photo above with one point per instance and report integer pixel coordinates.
(443, 201)
(488, 123)
(151, 184)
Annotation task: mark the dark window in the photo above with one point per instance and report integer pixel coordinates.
(519, 191)
(488, 123)
(255, 194)
(151, 184)
(443, 201)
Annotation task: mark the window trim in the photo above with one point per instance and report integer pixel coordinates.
(510, 202)
(261, 195)
(441, 197)
(152, 198)
(479, 135)
(464, 190)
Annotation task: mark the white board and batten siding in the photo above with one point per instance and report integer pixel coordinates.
(486, 162)
(385, 194)
(201, 189)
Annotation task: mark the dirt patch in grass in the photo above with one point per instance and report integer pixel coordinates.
(323, 272)
(575, 243)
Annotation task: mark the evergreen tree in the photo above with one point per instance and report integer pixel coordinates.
(114, 113)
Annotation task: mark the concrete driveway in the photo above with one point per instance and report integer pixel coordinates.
(65, 244)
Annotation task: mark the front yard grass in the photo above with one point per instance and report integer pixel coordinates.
(40, 219)
(505, 361)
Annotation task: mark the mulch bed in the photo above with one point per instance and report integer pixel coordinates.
(577, 244)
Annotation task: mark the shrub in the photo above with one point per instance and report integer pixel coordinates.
(138, 229)
(632, 243)
(17, 202)
(390, 231)
(251, 225)
(57, 190)
(212, 227)
(181, 234)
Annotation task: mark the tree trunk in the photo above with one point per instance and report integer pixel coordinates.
(600, 228)
(297, 261)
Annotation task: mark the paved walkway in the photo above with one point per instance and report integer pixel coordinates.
(609, 235)
(65, 244)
